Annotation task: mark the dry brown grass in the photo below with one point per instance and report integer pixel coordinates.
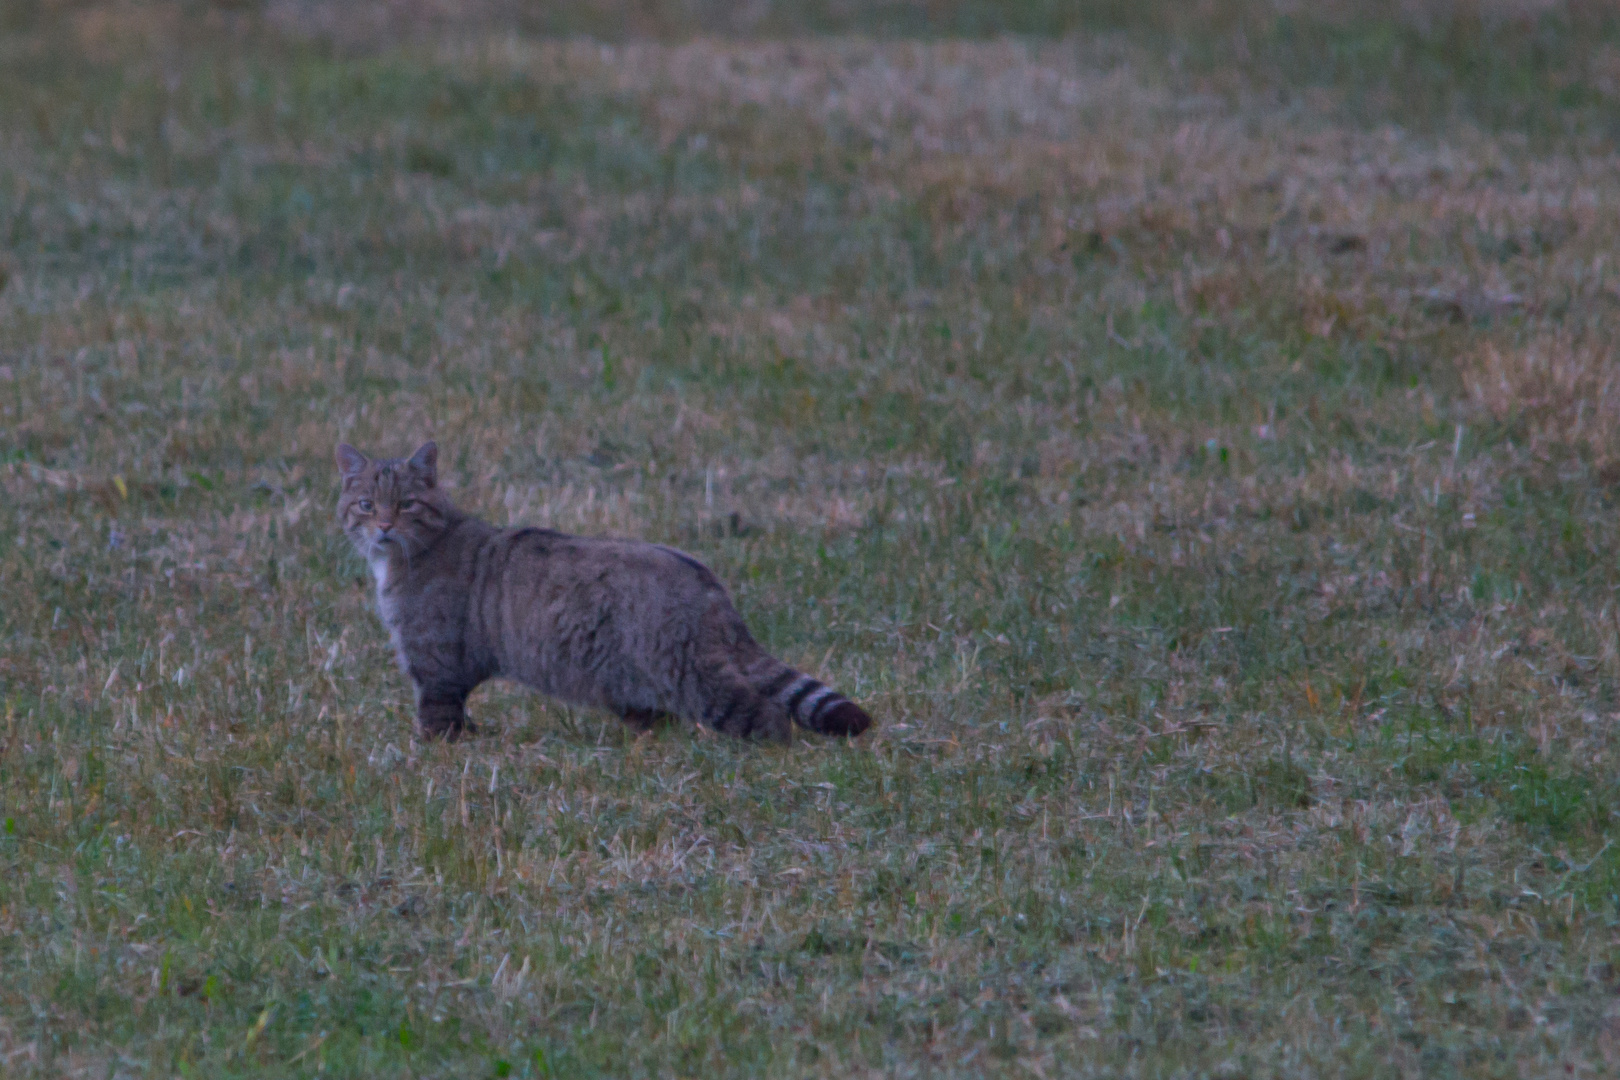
(1560, 391)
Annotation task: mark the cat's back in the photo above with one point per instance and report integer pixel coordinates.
(535, 557)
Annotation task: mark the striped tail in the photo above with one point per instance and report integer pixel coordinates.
(814, 705)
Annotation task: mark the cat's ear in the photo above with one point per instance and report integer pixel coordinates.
(426, 461)
(349, 461)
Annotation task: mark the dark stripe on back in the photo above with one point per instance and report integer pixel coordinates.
(803, 692)
(689, 561)
(530, 531)
(831, 699)
(778, 684)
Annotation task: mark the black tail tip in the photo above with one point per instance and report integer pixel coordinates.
(845, 718)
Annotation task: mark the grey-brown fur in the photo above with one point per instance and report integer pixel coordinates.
(638, 629)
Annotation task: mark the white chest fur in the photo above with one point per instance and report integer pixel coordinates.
(385, 603)
(387, 608)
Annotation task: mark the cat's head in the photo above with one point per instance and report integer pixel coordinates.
(392, 504)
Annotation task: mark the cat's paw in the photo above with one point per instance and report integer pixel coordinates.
(448, 732)
(643, 721)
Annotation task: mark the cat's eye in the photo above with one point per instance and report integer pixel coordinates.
(365, 506)
(407, 504)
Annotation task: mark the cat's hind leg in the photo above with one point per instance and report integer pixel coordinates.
(732, 706)
(441, 713)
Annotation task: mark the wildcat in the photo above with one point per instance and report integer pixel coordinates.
(639, 629)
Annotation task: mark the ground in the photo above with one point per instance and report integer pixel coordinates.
(1191, 430)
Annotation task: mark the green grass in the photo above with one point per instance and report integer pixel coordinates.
(1191, 430)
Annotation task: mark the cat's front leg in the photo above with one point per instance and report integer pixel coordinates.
(441, 713)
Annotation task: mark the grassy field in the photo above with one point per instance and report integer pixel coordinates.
(1192, 430)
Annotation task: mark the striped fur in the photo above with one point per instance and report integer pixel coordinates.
(813, 704)
(639, 629)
